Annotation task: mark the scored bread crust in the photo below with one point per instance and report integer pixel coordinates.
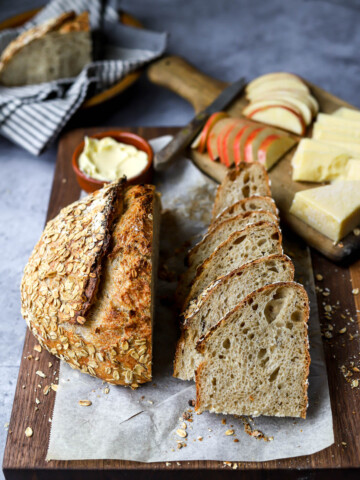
(252, 186)
(244, 205)
(201, 269)
(113, 341)
(202, 342)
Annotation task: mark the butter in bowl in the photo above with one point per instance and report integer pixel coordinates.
(107, 156)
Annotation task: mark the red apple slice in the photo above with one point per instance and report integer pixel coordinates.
(280, 84)
(307, 98)
(270, 77)
(227, 147)
(211, 121)
(211, 142)
(273, 148)
(240, 140)
(273, 98)
(278, 116)
(254, 141)
(223, 135)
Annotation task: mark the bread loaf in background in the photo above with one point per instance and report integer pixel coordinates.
(88, 289)
(58, 48)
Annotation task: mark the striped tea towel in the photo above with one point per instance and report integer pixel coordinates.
(32, 116)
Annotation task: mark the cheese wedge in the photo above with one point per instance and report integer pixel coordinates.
(319, 166)
(333, 210)
(310, 145)
(337, 122)
(325, 133)
(352, 171)
(348, 114)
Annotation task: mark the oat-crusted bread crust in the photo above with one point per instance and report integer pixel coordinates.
(256, 359)
(246, 180)
(254, 241)
(219, 299)
(96, 259)
(249, 204)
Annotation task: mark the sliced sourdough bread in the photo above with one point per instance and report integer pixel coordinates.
(250, 204)
(247, 180)
(213, 239)
(254, 241)
(218, 300)
(256, 360)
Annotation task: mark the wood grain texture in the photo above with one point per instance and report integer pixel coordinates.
(200, 90)
(25, 457)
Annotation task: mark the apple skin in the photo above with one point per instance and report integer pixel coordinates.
(248, 156)
(211, 143)
(211, 121)
(223, 139)
(237, 144)
(264, 146)
(299, 117)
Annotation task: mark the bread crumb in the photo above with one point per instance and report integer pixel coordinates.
(38, 348)
(85, 403)
(229, 432)
(29, 432)
(40, 374)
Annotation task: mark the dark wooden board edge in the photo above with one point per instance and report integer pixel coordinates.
(25, 457)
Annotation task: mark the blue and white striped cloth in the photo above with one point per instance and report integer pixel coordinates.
(32, 116)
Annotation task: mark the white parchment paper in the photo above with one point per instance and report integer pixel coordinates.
(141, 425)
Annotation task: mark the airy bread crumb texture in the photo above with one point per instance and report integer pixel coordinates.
(218, 300)
(255, 360)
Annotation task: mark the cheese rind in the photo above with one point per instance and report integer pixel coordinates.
(333, 210)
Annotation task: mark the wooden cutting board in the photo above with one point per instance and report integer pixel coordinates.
(25, 457)
(200, 90)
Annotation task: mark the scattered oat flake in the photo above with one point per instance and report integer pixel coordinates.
(355, 383)
(38, 348)
(355, 291)
(229, 432)
(181, 432)
(29, 432)
(46, 389)
(328, 334)
(107, 390)
(327, 308)
(356, 232)
(344, 443)
(50, 364)
(37, 401)
(40, 374)
(54, 387)
(343, 330)
(168, 464)
(85, 403)
(319, 277)
(183, 425)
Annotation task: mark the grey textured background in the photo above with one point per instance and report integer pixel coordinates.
(317, 39)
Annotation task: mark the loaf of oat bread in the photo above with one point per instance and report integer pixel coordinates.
(218, 300)
(254, 241)
(88, 289)
(256, 359)
(247, 180)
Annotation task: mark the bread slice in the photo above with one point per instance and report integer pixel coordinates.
(254, 241)
(58, 48)
(250, 204)
(87, 293)
(256, 360)
(247, 180)
(218, 300)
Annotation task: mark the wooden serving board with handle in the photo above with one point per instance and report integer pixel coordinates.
(24, 458)
(200, 90)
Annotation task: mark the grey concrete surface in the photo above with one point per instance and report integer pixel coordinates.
(319, 40)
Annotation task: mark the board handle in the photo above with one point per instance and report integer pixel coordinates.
(184, 79)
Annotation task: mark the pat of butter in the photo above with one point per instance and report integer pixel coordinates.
(107, 160)
(333, 210)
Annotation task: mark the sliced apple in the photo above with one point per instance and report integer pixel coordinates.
(299, 95)
(281, 116)
(270, 77)
(240, 140)
(292, 103)
(280, 84)
(273, 148)
(226, 139)
(211, 142)
(254, 141)
(201, 140)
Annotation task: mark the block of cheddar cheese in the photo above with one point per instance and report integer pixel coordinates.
(333, 210)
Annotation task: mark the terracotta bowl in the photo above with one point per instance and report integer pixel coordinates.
(91, 184)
